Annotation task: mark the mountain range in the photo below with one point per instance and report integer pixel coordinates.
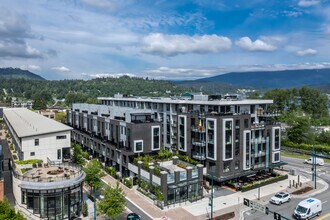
(265, 79)
(16, 73)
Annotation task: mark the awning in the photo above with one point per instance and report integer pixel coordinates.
(279, 164)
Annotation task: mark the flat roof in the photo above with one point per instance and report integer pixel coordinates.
(28, 123)
(191, 101)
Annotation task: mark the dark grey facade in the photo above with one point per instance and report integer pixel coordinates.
(232, 138)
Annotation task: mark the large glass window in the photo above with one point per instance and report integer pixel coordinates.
(228, 139)
(54, 204)
(156, 138)
(211, 138)
(277, 139)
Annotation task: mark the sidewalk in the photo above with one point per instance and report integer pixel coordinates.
(234, 202)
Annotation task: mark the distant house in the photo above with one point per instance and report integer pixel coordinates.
(22, 104)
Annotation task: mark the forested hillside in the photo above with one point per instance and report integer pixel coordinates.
(43, 92)
(16, 73)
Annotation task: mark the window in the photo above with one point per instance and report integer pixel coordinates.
(276, 157)
(58, 154)
(228, 139)
(36, 142)
(226, 167)
(60, 137)
(237, 165)
(246, 123)
(155, 138)
(32, 154)
(138, 146)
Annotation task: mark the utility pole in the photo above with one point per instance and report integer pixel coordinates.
(211, 199)
(314, 166)
(259, 191)
(94, 203)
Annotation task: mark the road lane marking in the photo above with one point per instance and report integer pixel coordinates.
(324, 202)
(324, 217)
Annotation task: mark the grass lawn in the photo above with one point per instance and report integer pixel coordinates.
(299, 156)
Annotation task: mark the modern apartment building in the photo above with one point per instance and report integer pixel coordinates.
(231, 137)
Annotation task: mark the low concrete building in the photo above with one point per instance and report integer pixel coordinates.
(37, 137)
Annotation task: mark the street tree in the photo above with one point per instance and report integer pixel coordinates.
(94, 173)
(78, 155)
(7, 212)
(113, 204)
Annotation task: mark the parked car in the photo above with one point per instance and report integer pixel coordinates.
(280, 198)
(318, 161)
(308, 209)
(133, 216)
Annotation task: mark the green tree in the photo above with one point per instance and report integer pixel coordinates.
(61, 117)
(78, 155)
(94, 174)
(113, 204)
(7, 212)
(300, 129)
(93, 177)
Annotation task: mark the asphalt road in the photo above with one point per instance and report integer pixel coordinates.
(287, 209)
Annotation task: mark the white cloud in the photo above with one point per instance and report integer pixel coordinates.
(306, 52)
(107, 75)
(100, 4)
(258, 45)
(308, 3)
(61, 69)
(191, 73)
(31, 67)
(172, 45)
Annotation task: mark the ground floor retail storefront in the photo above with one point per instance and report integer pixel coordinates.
(54, 204)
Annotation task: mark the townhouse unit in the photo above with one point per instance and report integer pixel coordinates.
(231, 137)
(37, 137)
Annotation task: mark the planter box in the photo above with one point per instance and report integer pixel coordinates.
(256, 185)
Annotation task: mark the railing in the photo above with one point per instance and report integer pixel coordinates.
(199, 156)
(70, 171)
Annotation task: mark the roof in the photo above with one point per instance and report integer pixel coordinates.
(28, 123)
(198, 102)
(308, 202)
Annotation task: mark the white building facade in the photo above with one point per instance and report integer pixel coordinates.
(37, 137)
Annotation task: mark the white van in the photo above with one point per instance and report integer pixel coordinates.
(318, 161)
(308, 209)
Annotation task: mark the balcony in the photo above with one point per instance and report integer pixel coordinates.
(199, 156)
(198, 129)
(199, 143)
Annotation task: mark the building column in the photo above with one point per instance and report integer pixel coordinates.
(200, 178)
(139, 172)
(163, 185)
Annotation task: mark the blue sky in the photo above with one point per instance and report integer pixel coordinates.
(162, 39)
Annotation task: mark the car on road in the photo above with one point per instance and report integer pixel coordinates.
(318, 161)
(280, 198)
(308, 209)
(133, 216)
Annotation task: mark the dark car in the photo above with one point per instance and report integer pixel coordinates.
(133, 216)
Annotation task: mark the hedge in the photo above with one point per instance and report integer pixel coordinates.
(307, 147)
(32, 161)
(263, 182)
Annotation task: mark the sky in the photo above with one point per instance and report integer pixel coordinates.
(162, 39)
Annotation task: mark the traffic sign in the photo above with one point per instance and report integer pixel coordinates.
(258, 207)
(246, 202)
(255, 205)
(277, 216)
